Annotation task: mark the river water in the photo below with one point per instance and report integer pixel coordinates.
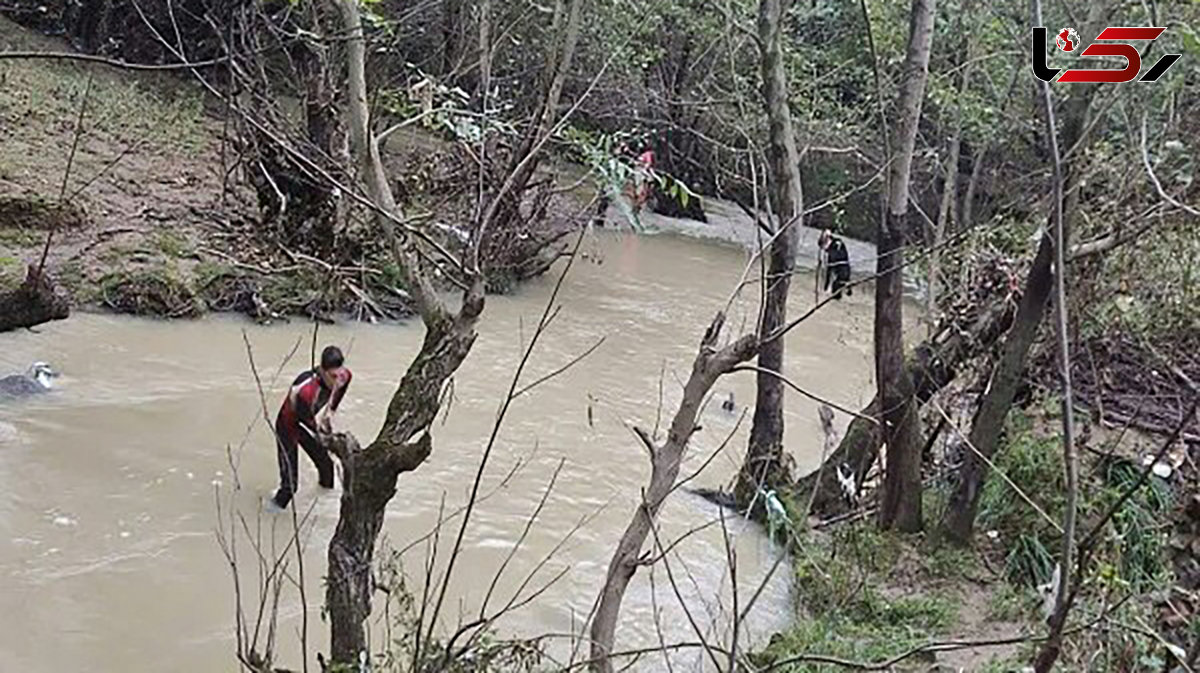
(110, 484)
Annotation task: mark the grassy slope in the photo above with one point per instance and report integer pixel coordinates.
(156, 236)
(150, 209)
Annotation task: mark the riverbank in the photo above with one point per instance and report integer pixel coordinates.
(153, 220)
(868, 600)
(137, 176)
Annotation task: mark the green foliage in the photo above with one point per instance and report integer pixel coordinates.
(613, 174)
(19, 238)
(159, 291)
(1029, 562)
(872, 629)
(1131, 557)
(429, 104)
(1034, 463)
(1139, 529)
(1150, 291)
(947, 562)
(291, 291)
(175, 121)
(173, 244)
(844, 613)
(73, 279)
(829, 576)
(1011, 603)
(12, 272)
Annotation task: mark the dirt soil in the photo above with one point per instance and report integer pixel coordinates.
(144, 190)
(152, 218)
(973, 588)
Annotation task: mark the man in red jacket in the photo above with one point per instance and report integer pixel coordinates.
(309, 407)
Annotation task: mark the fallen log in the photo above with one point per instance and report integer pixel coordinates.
(932, 365)
(34, 302)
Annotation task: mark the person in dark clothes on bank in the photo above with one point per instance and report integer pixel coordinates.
(837, 264)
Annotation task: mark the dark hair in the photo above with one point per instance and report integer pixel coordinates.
(332, 358)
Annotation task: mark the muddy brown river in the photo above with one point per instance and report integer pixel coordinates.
(109, 484)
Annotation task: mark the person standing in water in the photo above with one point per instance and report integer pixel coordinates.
(643, 173)
(308, 409)
(837, 264)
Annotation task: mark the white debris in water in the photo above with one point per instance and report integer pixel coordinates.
(190, 475)
(216, 482)
(172, 470)
(8, 433)
(220, 473)
(125, 533)
(64, 521)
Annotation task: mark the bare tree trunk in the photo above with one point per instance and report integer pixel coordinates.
(765, 465)
(968, 205)
(369, 475)
(452, 19)
(901, 504)
(485, 54)
(949, 195)
(979, 160)
(949, 190)
(1058, 619)
(321, 74)
(561, 68)
(988, 425)
(665, 460)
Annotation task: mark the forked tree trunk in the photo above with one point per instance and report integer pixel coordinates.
(901, 504)
(666, 458)
(369, 475)
(765, 465)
